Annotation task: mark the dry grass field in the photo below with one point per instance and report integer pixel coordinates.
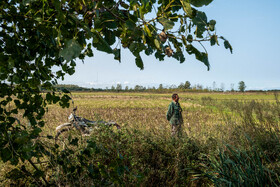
(204, 113)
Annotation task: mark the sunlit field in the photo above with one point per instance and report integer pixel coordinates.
(204, 113)
(228, 139)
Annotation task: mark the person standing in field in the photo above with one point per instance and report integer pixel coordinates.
(174, 115)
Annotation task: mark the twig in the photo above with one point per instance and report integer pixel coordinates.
(114, 14)
(34, 166)
(41, 162)
(203, 47)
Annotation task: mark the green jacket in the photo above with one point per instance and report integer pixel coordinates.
(174, 113)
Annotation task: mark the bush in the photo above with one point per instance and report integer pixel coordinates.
(235, 167)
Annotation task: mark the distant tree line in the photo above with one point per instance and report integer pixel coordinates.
(181, 87)
(187, 86)
(71, 87)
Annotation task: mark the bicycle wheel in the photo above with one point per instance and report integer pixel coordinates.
(62, 128)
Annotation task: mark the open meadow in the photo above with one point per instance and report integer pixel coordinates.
(228, 139)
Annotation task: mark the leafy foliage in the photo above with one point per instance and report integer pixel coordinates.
(241, 86)
(37, 35)
(242, 168)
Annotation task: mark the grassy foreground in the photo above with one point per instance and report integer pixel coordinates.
(228, 140)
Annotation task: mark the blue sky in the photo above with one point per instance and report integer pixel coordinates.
(251, 26)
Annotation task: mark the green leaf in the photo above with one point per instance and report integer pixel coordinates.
(110, 23)
(102, 45)
(38, 173)
(190, 38)
(184, 40)
(200, 3)
(95, 39)
(139, 62)
(64, 90)
(212, 24)
(14, 161)
(149, 51)
(201, 56)
(147, 30)
(72, 63)
(110, 37)
(22, 138)
(159, 56)
(49, 97)
(179, 56)
(71, 51)
(167, 24)
(89, 52)
(145, 2)
(124, 5)
(16, 174)
(16, 79)
(214, 40)
(200, 21)
(98, 23)
(228, 46)
(71, 71)
(55, 98)
(64, 101)
(36, 131)
(187, 7)
(117, 53)
(157, 43)
(50, 137)
(39, 19)
(41, 123)
(136, 48)
(130, 24)
(57, 4)
(143, 37)
(133, 47)
(5, 154)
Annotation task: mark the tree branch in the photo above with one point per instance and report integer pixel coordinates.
(34, 166)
